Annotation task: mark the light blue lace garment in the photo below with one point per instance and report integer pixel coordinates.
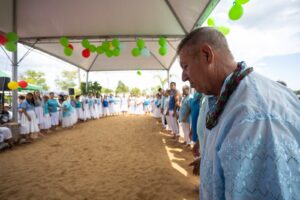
(254, 151)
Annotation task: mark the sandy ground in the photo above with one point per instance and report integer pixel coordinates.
(113, 158)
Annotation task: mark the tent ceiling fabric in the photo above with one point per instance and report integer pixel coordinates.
(45, 21)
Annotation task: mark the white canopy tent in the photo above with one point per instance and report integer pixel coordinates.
(40, 24)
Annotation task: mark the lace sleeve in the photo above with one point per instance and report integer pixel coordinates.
(261, 160)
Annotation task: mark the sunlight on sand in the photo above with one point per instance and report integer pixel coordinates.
(172, 158)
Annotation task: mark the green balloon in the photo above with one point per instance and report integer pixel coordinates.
(236, 12)
(224, 30)
(68, 51)
(135, 52)
(139, 73)
(100, 50)
(12, 37)
(140, 43)
(92, 48)
(242, 1)
(11, 46)
(116, 43)
(116, 52)
(85, 43)
(64, 41)
(109, 53)
(211, 22)
(163, 51)
(105, 45)
(162, 41)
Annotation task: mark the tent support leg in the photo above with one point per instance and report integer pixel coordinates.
(87, 82)
(15, 78)
(15, 67)
(168, 77)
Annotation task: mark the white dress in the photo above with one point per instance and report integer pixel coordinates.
(124, 104)
(139, 110)
(132, 105)
(26, 125)
(5, 134)
(99, 104)
(86, 110)
(39, 111)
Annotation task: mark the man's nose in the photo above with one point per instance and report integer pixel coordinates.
(184, 76)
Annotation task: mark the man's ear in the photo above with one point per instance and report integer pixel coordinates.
(207, 53)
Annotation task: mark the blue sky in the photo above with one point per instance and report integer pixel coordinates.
(267, 37)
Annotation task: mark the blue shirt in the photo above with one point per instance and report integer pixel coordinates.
(105, 103)
(26, 106)
(254, 150)
(67, 108)
(184, 110)
(172, 100)
(46, 109)
(195, 107)
(147, 102)
(78, 104)
(52, 105)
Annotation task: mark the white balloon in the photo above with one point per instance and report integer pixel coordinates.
(145, 52)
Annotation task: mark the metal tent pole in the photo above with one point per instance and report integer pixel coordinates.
(15, 67)
(87, 82)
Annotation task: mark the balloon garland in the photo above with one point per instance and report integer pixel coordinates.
(9, 41)
(163, 50)
(140, 49)
(68, 48)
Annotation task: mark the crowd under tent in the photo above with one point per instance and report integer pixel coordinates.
(41, 23)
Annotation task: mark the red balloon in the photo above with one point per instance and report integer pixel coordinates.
(2, 40)
(86, 53)
(23, 84)
(71, 46)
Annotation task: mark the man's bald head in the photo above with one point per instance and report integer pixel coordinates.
(208, 35)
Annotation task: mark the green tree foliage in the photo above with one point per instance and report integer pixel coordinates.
(121, 88)
(107, 91)
(36, 78)
(297, 92)
(135, 91)
(67, 80)
(93, 87)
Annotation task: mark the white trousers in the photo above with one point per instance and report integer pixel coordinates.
(186, 131)
(173, 123)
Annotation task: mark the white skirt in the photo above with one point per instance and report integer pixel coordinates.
(29, 126)
(39, 114)
(124, 107)
(46, 124)
(111, 108)
(67, 121)
(5, 134)
(139, 109)
(54, 118)
(79, 113)
(74, 116)
(94, 112)
(86, 113)
(106, 111)
(132, 109)
(100, 110)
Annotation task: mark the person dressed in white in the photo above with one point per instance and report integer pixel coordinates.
(117, 105)
(139, 105)
(99, 104)
(86, 110)
(78, 106)
(111, 104)
(132, 104)
(29, 121)
(67, 119)
(46, 123)
(6, 136)
(124, 104)
(53, 110)
(105, 107)
(38, 107)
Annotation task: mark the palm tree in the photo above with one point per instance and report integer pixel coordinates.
(163, 80)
